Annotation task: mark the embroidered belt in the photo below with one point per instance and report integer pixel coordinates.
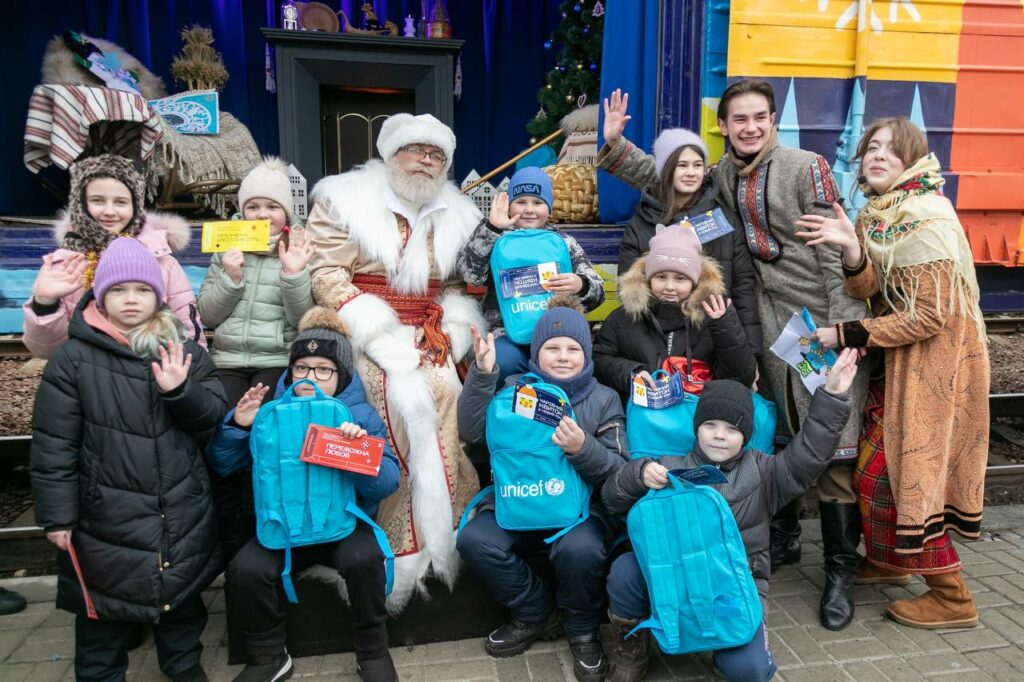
(418, 310)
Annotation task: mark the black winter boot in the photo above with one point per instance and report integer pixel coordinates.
(840, 533)
(784, 544)
(589, 661)
(10, 602)
(632, 654)
(515, 637)
(377, 669)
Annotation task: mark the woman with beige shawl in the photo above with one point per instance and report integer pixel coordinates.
(921, 469)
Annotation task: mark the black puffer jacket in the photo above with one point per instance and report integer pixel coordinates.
(120, 464)
(632, 339)
(758, 484)
(729, 250)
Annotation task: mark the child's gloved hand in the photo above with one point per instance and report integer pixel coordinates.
(716, 306)
(350, 430)
(843, 372)
(232, 262)
(655, 475)
(172, 370)
(566, 283)
(499, 216)
(569, 436)
(249, 405)
(483, 348)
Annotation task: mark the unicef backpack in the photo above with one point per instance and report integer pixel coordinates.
(694, 562)
(297, 503)
(522, 261)
(661, 422)
(535, 487)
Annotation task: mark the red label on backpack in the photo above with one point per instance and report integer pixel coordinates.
(327, 447)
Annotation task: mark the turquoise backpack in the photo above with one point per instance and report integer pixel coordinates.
(521, 261)
(297, 503)
(535, 487)
(669, 430)
(694, 562)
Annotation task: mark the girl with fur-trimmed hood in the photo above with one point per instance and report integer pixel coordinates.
(673, 309)
(105, 202)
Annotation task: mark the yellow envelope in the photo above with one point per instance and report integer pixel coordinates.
(244, 235)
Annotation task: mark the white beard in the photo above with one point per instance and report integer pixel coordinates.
(415, 189)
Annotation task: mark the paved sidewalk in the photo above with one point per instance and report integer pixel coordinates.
(37, 645)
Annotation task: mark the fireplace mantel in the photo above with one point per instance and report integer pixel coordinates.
(307, 60)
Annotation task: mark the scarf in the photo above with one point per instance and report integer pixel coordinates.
(746, 166)
(669, 315)
(577, 387)
(911, 232)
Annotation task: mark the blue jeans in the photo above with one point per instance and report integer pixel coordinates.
(628, 598)
(579, 556)
(511, 358)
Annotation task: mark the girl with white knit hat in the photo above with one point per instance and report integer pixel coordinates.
(255, 301)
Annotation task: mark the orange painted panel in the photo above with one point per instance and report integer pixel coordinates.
(995, 238)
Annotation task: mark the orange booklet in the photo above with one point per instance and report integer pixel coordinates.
(327, 447)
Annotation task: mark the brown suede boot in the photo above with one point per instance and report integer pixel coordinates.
(870, 574)
(632, 654)
(947, 604)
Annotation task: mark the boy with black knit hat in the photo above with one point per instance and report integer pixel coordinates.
(322, 354)
(757, 486)
(595, 444)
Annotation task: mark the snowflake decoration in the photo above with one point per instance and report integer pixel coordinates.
(857, 10)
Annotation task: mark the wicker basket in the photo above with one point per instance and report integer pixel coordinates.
(575, 190)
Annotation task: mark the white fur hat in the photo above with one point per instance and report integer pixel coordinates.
(405, 129)
(268, 180)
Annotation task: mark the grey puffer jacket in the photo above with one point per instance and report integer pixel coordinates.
(600, 415)
(257, 320)
(758, 484)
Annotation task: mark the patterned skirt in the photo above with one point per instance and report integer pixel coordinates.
(878, 509)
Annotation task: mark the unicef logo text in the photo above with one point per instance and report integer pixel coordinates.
(552, 487)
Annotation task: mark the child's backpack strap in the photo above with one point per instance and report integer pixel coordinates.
(382, 542)
(584, 515)
(473, 504)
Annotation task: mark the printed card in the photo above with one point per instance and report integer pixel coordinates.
(708, 226)
(526, 280)
(796, 347)
(666, 393)
(537, 404)
(327, 447)
(244, 235)
(705, 474)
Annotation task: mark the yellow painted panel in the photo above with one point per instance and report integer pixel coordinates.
(808, 38)
(709, 130)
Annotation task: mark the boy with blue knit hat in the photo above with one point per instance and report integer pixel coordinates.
(526, 205)
(594, 441)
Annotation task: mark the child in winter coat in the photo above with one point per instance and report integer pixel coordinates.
(322, 354)
(758, 485)
(595, 443)
(675, 185)
(255, 302)
(105, 202)
(531, 195)
(665, 297)
(121, 417)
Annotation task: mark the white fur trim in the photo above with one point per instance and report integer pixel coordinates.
(354, 199)
(394, 354)
(365, 317)
(459, 313)
(404, 129)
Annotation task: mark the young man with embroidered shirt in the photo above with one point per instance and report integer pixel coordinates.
(771, 186)
(386, 237)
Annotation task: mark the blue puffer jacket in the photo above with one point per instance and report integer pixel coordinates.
(228, 452)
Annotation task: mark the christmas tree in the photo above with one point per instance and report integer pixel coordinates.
(574, 81)
(199, 66)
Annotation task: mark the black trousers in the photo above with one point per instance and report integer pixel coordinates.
(232, 495)
(254, 581)
(101, 646)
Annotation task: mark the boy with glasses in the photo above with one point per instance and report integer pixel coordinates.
(321, 354)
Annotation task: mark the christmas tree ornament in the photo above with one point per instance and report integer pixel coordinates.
(547, 44)
(548, 86)
(598, 10)
(568, 98)
(593, 66)
(579, 66)
(577, 7)
(581, 101)
(541, 114)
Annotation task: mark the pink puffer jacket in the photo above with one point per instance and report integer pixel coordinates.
(163, 234)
